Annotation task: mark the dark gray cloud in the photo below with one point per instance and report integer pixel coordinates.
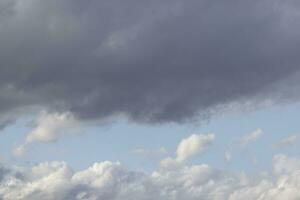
(152, 61)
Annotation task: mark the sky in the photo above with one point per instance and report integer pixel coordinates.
(149, 100)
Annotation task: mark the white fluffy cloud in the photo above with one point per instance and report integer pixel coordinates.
(111, 181)
(49, 127)
(193, 145)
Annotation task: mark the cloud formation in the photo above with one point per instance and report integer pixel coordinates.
(48, 128)
(150, 61)
(252, 137)
(288, 141)
(193, 145)
(112, 181)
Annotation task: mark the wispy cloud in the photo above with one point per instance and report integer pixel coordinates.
(227, 156)
(251, 137)
(48, 128)
(288, 141)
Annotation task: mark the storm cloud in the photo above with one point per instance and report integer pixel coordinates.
(150, 61)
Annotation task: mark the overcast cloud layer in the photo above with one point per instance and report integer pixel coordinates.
(152, 61)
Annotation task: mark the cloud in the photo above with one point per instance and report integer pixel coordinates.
(227, 156)
(154, 62)
(112, 181)
(285, 165)
(288, 141)
(193, 145)
(189, 147)
(3, 171)
(252, 137)
(49, 127)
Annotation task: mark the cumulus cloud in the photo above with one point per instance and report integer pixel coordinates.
(48, 128)
(193, 145)
(189, 147)
(112, 181)
(285, 165)
(150, 61)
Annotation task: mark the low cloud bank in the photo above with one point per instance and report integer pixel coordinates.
(172, 180)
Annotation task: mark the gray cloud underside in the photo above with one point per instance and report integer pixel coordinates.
(152, 61)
